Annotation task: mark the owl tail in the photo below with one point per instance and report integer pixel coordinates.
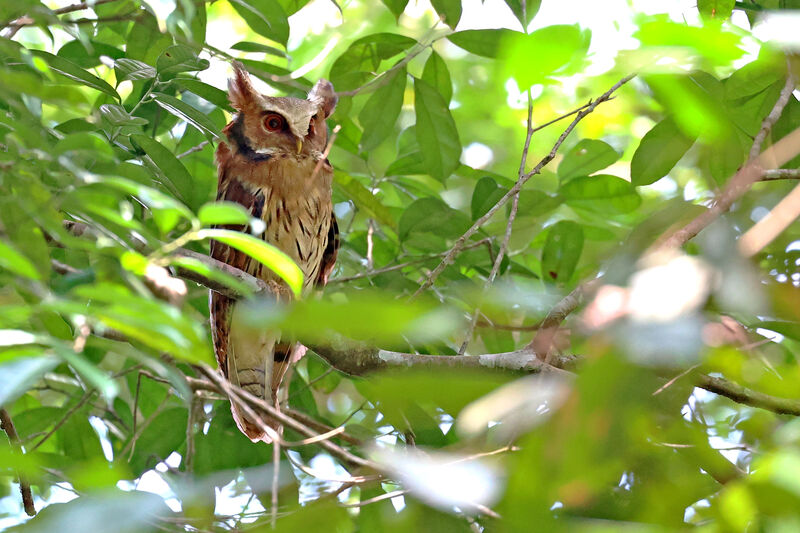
(251, 367)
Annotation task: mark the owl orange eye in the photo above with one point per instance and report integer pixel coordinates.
(274, 122)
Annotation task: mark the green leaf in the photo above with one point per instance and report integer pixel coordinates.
(358, 63)
(379, 114)
(207, 92)
(432, 215)
(602, 193)
(179, 58)
(559, 50)
(436, 131)
(661, 148)
(449, 10)
(484, 43)
(93, 375)
(754, 77)
(171, 170)
(586, 157)
(272, 257)
(487, 192)
(15, 262)
(437, 75)
(265, 17)
(72, 71)
(184, 111)
(199, 267)
(531, 8)
(716, 9)
(117, 116)
(223, 213)
(87, 54)
(19, 375)
(713, 42)
(247, 46)
(412, 163)
(562, 250)
(132, 69)
(363, 315)
(396, 6)
(167, 211)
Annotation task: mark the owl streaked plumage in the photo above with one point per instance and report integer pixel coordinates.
(273, 165)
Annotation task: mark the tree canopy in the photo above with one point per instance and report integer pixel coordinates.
(566, 296)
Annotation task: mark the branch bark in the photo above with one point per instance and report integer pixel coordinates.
(7, 425)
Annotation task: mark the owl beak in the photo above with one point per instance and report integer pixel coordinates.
(299, 146)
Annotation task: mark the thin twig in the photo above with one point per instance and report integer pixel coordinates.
(193, 149)
(512, 215)
(276, 479)
(7, 425)
(88, 394)
(413, 262)
(669, 383)
(461, 241)
(379, 498)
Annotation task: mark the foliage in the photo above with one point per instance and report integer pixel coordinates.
(109, 117)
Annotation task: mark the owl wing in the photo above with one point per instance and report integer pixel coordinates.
(330, 254)
(248, 369)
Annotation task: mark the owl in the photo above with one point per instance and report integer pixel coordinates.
(273, 164)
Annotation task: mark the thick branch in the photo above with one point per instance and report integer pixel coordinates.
(743, 395)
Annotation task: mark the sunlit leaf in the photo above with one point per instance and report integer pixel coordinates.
(270, 256)
(560, 51)
(132, 69)
(19, 375)
(531, 7)
(487, 192)
(716, 9)
(13, 261)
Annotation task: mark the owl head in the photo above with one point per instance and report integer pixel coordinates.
(266, 125)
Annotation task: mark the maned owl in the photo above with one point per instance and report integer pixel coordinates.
(273, 164)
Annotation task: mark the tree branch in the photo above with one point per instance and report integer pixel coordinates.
(743, 395)
(7, 425)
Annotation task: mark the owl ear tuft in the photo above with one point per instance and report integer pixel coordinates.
(240, 89)
(324, 96)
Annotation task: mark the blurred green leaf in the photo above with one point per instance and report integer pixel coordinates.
(170, 169)
(247, 46)
(562, 250)
(364, 199)
(218, 97)
(356, 65)
(560, 51)
(661, 148)
(13, 261)
(19, 375)
(223, 213)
